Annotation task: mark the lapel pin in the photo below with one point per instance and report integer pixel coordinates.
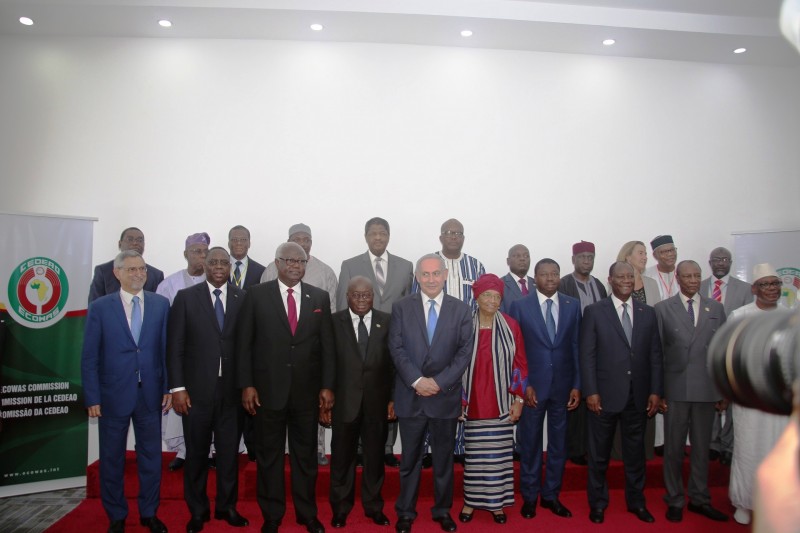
(308, 296)
(706, 308)
(377, 325)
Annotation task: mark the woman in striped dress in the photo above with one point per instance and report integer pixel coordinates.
(492, 397)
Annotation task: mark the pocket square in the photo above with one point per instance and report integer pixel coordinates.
(317, 310)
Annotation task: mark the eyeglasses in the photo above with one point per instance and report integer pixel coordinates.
(198, 251)
(218, 262)
(453, 233)
(134, 270)
(138, 240)
(770, 284)
(292, 262)
(239, 240)
(360, 295)
(723, 260)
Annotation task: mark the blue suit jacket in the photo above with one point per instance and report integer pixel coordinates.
(111, 359)
(105, 282)
(609, 364)
(553, 367)
(513, 292)
(444, 360)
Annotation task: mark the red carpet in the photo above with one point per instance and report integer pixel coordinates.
(89, 515)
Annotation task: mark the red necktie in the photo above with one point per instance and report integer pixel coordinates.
(291, 307)
(524, 287)
(717, 294)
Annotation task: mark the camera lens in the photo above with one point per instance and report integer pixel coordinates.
(754, 360)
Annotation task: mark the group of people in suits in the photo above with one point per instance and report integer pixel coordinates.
(273, 354)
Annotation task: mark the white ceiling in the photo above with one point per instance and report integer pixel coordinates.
(685, 30)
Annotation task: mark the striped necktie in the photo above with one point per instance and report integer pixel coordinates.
(717, 294)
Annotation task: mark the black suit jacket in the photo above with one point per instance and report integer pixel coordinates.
(253, 274)
(285, 368)
(104, 282)
(368, 381)
(570, 288)
(609, 364)
(195, 344)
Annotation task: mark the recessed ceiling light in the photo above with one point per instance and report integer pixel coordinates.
(466, 33)
(27, 21)
(164, 23)
(609, 42)
(316, 27)
(740, 50)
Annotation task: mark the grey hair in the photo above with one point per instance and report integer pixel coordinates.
(122, 256)
(425, 257)
(289, 246)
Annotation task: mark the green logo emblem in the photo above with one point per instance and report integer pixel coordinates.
(38, 292)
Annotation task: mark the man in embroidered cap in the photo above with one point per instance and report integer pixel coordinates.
(195, 253)
(581, 285)
(666, 255)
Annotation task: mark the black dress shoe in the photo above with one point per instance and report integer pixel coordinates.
(116, 526)
(212, 463)
(713, 455)
(465, 517)
(427, 460)
(379, 518)
(643, 514)
(195, 524)
(232, 517)
(556, 507)
(708, 511)
(403, 525)
(390, 460)
(579, 460)
(153, 524)
(499, 517)
(659, 451)
(339, 520)
(528, 509)
(460, 459)
(314, 526)
(270, 526)
(359, 460)
(674, 514)
(176, 464)
(515, 456)
(445, 522)
(725, 458)
(597, 516)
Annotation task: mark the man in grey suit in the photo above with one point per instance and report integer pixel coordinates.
(732, 293)
(391, 277)
(686, 323)
(517, 282)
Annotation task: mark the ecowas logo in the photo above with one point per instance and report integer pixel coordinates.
(38, 291)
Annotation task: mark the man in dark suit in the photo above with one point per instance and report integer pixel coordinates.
(733, 294)
(396, 274)
(517, 282)
(430, 340)
(244, 270)
(364, 382)
(550, 322)
(687, 322)
(105, 282)
(202, 380)
(621, 377)
(123, 367)
(587, 289)
(286, 368)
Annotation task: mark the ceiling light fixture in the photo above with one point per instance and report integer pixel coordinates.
(164, 23)
(316, 27)
(609, 42)
(466, 33)
(27, 21)
(740, 50)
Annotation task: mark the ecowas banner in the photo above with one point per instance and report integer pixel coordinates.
(45, 272)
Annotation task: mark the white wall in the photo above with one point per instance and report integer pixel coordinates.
(177, 136)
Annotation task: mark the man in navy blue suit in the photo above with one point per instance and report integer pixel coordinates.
(517, 282)
(550, 321)
(105, 282)
(124, 374)
(621, 376)
(430, 340)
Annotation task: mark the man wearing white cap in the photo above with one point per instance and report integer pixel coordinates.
(754, 432)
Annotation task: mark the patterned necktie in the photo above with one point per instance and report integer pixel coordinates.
(363, 337)
(524, 286)
(627, 327)
(380, 277)
(690, 310)
(218, 309)
(550, 321)
(237, 275)
(432, 319)
(291, 307)
(717, 294)
(136, 320)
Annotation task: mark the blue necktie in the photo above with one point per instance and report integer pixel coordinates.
(550, 322)
(432, 318)
(136, 320)
(627, 327)
(218, 309)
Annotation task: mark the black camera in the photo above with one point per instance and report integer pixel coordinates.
(755, 359)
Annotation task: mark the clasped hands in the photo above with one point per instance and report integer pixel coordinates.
(426, 387)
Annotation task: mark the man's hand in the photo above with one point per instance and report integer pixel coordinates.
(325, 417)
(721, 405)
(166, 402)
(662, 406)
(250, 400)
(427, 387)
(390, 412)
(516, 411)
(94, 411)
(530, 397)
(653, 401)
(593, 403)
(574, 399)
(326, 399)
(181, 402)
